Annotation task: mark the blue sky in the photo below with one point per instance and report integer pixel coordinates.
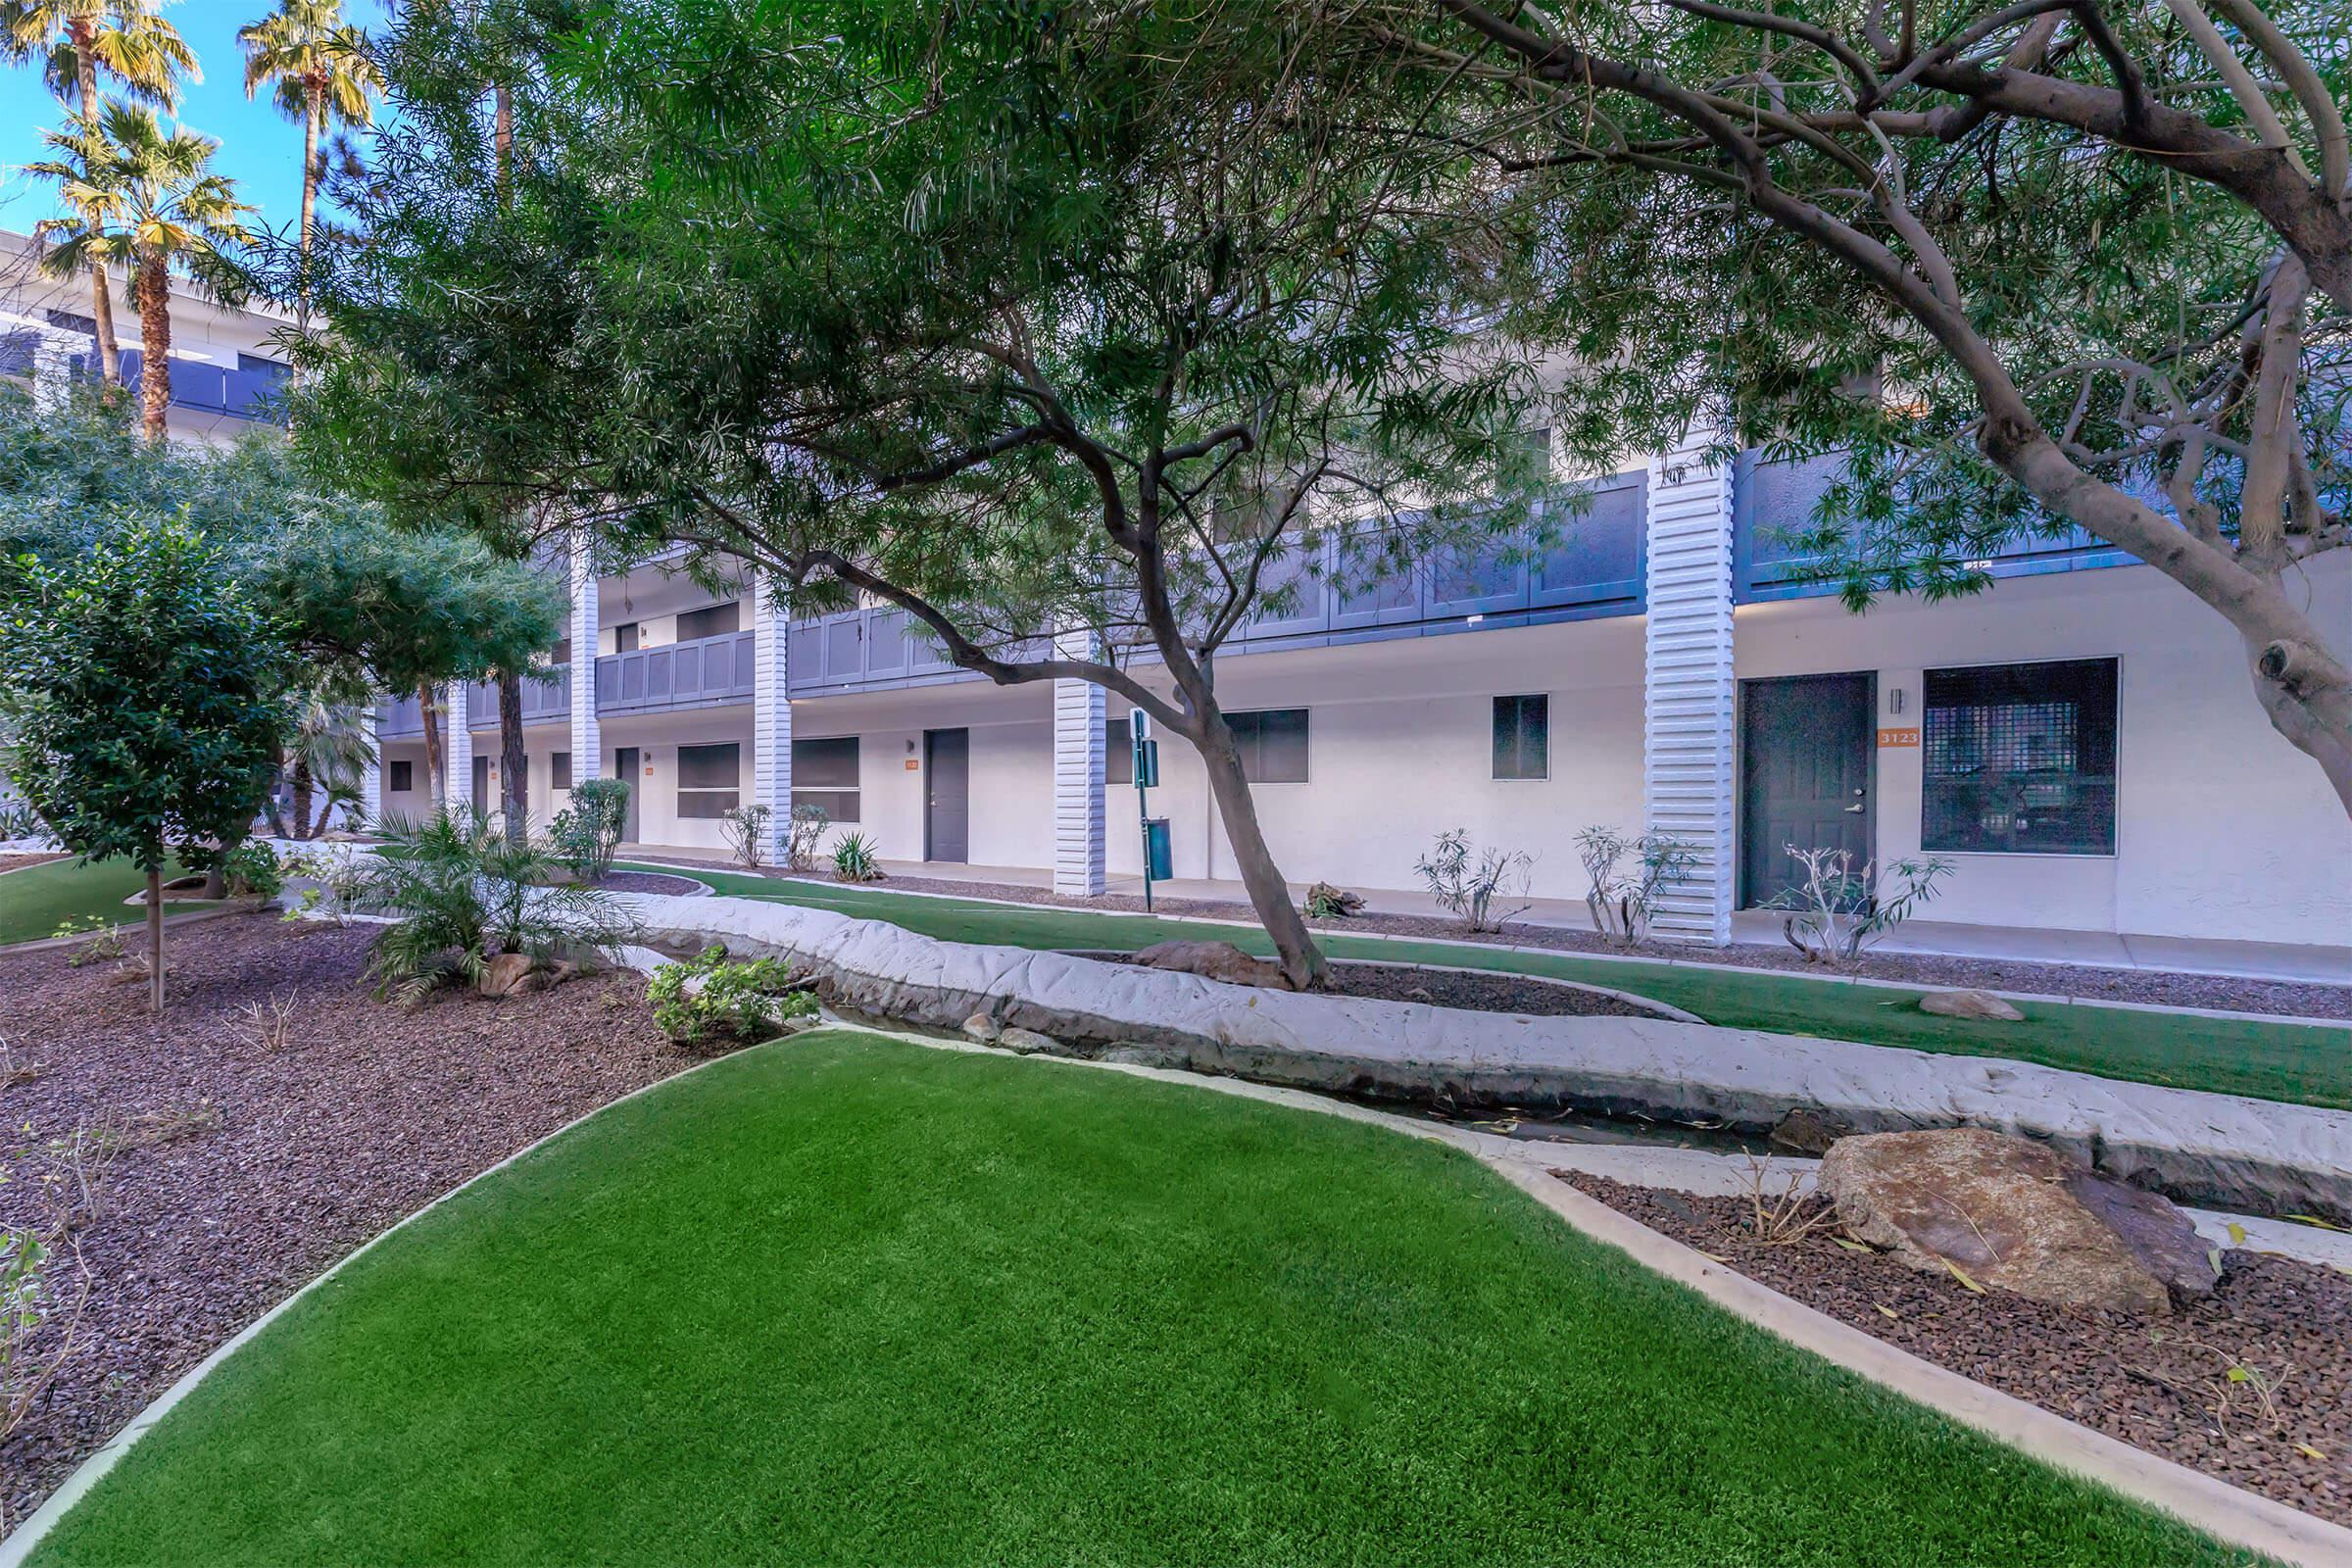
(261, 151)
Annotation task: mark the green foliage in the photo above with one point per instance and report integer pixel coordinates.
(809, 824)
(706, 999)
(746, 828)
(465, 891)
(105, 943)
(253, 869)
(1327, 903)
(1469, 886)
(856, 858)
(1837, 910)
(1623, 896)
(586, 834)
(144, 685)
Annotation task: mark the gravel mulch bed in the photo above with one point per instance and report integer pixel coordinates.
(235, 1172)
(1473, 990)
(2160, 1382)
(2285, 998)
(647, 882)
(11, 862)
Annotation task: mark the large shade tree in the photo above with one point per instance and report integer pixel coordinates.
(2091, 263)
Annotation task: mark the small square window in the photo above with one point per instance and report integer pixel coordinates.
(559, 770)
(399, 777)
(1272, 742)
(1523, 737)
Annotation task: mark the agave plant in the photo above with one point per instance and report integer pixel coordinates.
(464, 891)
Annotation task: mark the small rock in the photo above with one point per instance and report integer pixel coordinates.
(982, 1028)
(1323, 896)
(555, 973)
(1139, 1055)
(1215, 960)
(505, 975)
(1807, 1132)
(2015, 1214)
(1025, 1041)
(1970, 1004)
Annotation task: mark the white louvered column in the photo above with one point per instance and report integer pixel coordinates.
(457, 746)
(371, 777)
(772, 716)
(1689, 700)
(1079, 869)
(587, 736)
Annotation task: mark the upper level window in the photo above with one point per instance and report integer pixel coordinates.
(824, 774)
(714, 620)
(1272, 742)
(1523, 737)
(624, 637)
(709, 779)
(2019, 758)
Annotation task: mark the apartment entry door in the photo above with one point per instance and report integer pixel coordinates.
(628, 766)
(1807, 752)
(948, 795)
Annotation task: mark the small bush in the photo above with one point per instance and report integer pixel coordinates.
(709, 1001)
(1623, 897)
(856, 859)
(809, 824)
(253, 870)
(1470, 889)
(1837, 910)
(746, 828)
(586, 834)
(106, 939)
(1327, 903)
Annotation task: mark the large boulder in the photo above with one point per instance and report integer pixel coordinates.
(1981, 1004)
(2016, 1214)
(1215, 960)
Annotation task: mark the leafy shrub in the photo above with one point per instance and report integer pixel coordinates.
(1623, 900)
(809, 824)
(464, 893)
(586, 834)
(1327, 903)
(855, 859)
(746, 828)
(342, 883)
(18, 820)
(1469, 890)
(708, 999)
(253, 869)
(1836, 911)
(106, 939)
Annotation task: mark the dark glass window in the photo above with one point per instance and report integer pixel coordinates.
(1272, 742)
(714, 620)
(1523, 737)
(559, 770)
(2019, 758)
(261, 366)
(399, 777)
(824, 774)
(87, 325)
(624, 637)
(709, 779)
(1118, 750)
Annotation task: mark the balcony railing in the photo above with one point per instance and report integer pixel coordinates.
(701, 673)
(400, 716)
(544, 701)
(212, 388)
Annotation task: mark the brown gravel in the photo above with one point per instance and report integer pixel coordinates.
(2285, 998)
(2161, 1384)
(647, 882)
(239, 1173)
(1477, 991)
(10, 862)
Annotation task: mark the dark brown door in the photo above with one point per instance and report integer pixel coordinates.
(1807, 747)
(947, 798)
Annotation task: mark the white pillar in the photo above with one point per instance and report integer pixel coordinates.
(1689, 703)
(587, 736)
(1078, 711)
(371, 777)
(456, 748)
(772, 714)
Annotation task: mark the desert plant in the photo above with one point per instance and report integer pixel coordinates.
(463, 891)
(1784, 1217)
(1470, 889)
(253, 869)
(21, 822)
(809, 824)
(586, 834)
(708, 998)
(342, 882)
(1327, 903)
(746, 828)
(856, 859)
(269, 1027)
(1837, 910)
(1624, 897)
(44, 1279)
(106, 939)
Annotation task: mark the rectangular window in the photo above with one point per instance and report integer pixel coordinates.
(2019, 758)
(559, 770)
(1118, 750)
(399, 777)
(624, 637)
(1272, 742)
(712, 621)
(1523, 737)
(255, 363)
(824, 774)
(710, 780)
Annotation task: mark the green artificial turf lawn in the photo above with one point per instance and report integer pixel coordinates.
(35, 900)
(848, 1300)
(2294, 1062)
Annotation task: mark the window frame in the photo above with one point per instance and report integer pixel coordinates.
(708, 807)
(1119, 752)
(684, 615)
(1255, 745)
(400, 776)
(834, 792)
(1494, 739)
(2114, 776)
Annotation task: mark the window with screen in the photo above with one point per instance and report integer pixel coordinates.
(710, 780)
(1523, 737)
(1118, 750)
(714, 620)
(1272, 742)
(559, 770)
(399, 777)
(824, 774)
(2019, 758)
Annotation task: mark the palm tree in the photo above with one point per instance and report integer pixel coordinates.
(74, 39)
(329, 750)
(164, 207)
(320, 65)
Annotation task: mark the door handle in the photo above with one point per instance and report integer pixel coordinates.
(1854, 809)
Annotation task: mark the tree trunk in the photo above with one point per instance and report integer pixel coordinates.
(1270, 895)
(102, 300)
(302, 799)
(155, 939)
(432, 745)
(155, 343)
(514, 785)
(327, 814)
(270, 806)
(311, 119)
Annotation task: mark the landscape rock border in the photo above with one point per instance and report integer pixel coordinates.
(2261, 1157)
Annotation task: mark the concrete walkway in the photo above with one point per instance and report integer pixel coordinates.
(2315, 963)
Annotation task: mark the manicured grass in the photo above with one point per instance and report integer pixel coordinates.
(35, 900)
(2293, 1063)
(847, 1299)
